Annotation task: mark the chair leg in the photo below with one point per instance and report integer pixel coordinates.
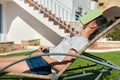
(99, 76)
(119, 77)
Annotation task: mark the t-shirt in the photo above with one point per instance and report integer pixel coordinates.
(76, 42)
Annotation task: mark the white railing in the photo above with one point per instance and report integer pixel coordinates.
(61, 12)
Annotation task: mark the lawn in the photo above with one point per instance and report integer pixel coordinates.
(113, 57)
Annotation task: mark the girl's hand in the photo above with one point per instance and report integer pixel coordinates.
(41, 48)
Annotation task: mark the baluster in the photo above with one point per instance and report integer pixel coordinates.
(63, 15)
(67, 19)
(48, 4)
(55, 8)
(59, 12)
(51, 7)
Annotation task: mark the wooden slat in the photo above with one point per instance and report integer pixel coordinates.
(31, 75)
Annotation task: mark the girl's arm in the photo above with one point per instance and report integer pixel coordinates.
(59, 65)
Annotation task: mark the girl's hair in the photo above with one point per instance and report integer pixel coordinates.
(101, 21)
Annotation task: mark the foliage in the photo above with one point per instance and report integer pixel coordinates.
(114, 35)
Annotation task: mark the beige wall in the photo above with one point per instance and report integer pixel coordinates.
(108, 3)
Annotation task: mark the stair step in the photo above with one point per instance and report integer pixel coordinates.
(66, 31)
(61, 26)
(31, 4)
(51, 18)
(47, 13)
(26, 1)
(56, 21)
(36, 8)
(73, 29)
(71, 34)
(41, 9)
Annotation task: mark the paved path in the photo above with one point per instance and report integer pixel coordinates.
(103, 50)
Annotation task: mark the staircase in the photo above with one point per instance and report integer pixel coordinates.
(55, 12)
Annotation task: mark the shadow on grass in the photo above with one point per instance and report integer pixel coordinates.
(86, 75)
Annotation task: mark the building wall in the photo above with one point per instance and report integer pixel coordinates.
(19, 25)
(4, 26)
(67, 3)
(84, 4)
(73, 5)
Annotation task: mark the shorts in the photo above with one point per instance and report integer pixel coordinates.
(38, 65)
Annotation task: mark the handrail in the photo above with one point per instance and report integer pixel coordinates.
(65, 16)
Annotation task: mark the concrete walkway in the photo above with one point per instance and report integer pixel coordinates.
(103, 50)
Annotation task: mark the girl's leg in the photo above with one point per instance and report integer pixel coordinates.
(19, 67)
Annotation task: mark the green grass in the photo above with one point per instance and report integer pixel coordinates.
(15, 54)
(113, 57)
